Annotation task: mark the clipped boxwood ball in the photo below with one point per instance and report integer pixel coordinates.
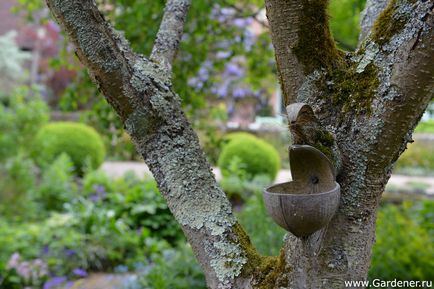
(258, 156)
(80, 142)
(235, 135)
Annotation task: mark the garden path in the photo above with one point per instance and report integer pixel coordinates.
(396, 182)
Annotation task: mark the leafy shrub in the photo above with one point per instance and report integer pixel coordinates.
(79, 141)
(234, 135)
(238, 187)
(104, 119)
(419, 155)
(405, 243)
(138, 202)
(17, 178)
(20, 273)
(259, 157)
(57, 185)
(93, 234)
(19, 122)
(265, 235)
(174, 269)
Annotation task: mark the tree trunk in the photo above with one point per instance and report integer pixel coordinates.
(370, 100)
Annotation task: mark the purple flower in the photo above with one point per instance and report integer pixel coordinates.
(231, 108)
(240, 92)
(80, 272)
(234, 70)
(99, 189)
(221, 91)
(249, 39)
(53, 26)
(203, 74)
(223, 54)
(100, 193)
(45, 250)
(24, 270)
(14, 261)
(240, 22)
(193, 82)
(70, 252)
(53, 282)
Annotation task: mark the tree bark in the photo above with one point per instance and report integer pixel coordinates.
(370, 100)
(394, 70)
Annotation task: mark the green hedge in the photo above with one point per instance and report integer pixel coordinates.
(256, 156)
(80, 142)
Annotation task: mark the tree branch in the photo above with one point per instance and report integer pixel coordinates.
(170, 33)
(140, 92)
(373, 8)
(405, 36)
(302, 41)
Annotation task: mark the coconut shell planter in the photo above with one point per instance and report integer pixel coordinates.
(306, 204)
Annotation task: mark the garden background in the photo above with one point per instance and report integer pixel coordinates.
(77, 206)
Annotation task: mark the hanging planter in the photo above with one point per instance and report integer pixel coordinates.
(306, 204)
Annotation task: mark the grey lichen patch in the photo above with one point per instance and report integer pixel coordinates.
(228, 262)
(197, 212)
(371, 51)
(200, 203)
(308, 89)
(90, 39)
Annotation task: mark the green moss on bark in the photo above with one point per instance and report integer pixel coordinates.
(315, 47)
(267, 271)
(389, 22)
(350, 89)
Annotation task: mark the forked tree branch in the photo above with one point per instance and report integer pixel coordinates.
(302, 41)
(373, 8)
(140, 92)
(170, 33)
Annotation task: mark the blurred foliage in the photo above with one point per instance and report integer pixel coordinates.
(344, 22)
(105, 224)
(265, 235)
(11, 64)
(56, 186)
(17, 180)
(20, 119)
(405, 243)
(80, 142)
(225, 56)
(425, 127)
(174, 269)
(256, 156)
(418, 158)
(238, 188)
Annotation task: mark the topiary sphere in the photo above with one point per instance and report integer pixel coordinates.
(258, 156)
(235, 135)
(80, 142)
